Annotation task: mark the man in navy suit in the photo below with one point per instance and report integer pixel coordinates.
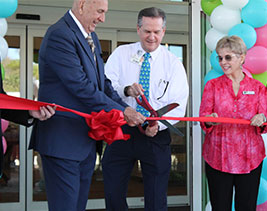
(20, 117)
(72, 75)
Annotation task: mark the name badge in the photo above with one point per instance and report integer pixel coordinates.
(137, 58)
(248, 92)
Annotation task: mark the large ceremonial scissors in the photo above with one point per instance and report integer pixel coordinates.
(158, 113)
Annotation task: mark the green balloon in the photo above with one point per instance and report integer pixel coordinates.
(209, 5)
(2, 72)
(261, 77)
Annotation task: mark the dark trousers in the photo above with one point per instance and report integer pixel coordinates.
(67, 182)
(155, 158)
(221, 186)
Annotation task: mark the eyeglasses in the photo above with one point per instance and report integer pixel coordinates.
(227, 58)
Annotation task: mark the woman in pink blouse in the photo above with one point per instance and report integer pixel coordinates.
(233, 152)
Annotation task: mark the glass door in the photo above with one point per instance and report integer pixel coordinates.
(12, 183)
(22, 186)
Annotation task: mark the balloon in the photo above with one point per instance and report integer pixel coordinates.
(208, 206)
(246, 32)
(261, 36)
(262, 207)
(209, 5)
(8, 7)
(247, 72)
(254, 13)
(264, 169)
(3, 27)
(4, 124)
(263, 79)
(223, 19)
(256, 60)
(211, 75)
(215, 63)
(262, 195)
(4, 144)
(234, 4)
(212, 37)
(3, 48)
(2, 71)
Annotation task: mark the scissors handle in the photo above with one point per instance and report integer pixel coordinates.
(145, 104)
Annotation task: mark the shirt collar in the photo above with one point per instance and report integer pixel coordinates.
(153, 54)
(228, 80)
(85, 34)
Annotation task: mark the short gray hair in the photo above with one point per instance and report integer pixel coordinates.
(233, 43)
(152, 12)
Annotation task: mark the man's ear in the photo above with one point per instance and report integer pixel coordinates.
(81, 6)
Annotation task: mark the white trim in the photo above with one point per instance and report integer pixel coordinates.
(196, 99)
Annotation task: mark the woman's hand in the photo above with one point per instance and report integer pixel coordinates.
(212, 123)
(258, 120)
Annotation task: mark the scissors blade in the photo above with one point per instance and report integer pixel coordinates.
(172, 128)
(166, 109)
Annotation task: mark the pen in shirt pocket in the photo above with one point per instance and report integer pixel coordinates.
(165, 84)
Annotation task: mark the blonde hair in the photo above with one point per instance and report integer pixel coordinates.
(233, 43)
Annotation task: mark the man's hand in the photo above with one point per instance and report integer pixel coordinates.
(132, 117)
(135, 90)
(44, 113)
(152, 130)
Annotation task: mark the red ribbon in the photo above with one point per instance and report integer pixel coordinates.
(206, 119)
(104, 125)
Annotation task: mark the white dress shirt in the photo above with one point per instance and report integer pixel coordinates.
(168, 81)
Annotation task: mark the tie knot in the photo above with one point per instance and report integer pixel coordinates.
(147, 55)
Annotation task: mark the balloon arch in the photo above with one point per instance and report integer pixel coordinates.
(248, 20)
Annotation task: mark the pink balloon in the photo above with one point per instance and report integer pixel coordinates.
(4, 124)
(261, 36)
(4, 144)
(256, 60)
(262, 207)
(247, 72)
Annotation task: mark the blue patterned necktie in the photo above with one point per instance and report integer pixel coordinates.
(144, 81)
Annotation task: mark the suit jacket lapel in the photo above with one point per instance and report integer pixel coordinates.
(100, 65)
(80, 37)
(83, 43)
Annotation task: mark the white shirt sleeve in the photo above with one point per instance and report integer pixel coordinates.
(113, 70)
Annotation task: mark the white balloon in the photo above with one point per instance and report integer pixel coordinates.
(234, 4)
(223, 18)
(212, 37)
(3, 48)
(208, 207)
(3, 27)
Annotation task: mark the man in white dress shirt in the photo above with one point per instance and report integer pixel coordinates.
(167, 84)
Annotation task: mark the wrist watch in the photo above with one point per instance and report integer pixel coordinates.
(126, 91)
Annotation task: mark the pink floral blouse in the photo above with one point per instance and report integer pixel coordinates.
(233, 148)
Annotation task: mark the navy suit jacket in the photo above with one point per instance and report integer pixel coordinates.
(70, 77)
